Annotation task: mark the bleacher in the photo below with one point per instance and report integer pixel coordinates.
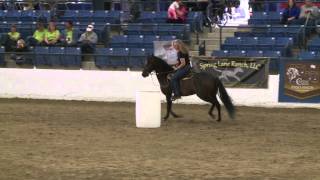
(137, 36)
(133, 41)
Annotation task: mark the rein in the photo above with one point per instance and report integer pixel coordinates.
(166, 72)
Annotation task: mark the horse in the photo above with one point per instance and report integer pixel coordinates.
(204, 85)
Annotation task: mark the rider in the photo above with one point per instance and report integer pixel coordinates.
(182, 67)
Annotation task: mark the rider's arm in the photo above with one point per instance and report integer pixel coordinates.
(182, 63)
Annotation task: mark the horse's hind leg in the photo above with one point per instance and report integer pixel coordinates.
(211, 110)
(175, 115)
(169, 105)
(219, 110)
(215, 103)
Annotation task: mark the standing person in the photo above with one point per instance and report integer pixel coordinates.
(52, 36)
(88, 40)
(291, 13)
(308, 15)
(308, 9)
(69, 35)
(257, 5)
(182, 13)
(182, 68)
(173, 9)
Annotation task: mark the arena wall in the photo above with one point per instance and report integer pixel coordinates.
(113, 86)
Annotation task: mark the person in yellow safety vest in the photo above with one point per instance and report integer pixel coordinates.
(10, 39)
(38, 36)
(52, 36)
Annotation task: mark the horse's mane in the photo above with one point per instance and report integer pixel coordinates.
(161, 63)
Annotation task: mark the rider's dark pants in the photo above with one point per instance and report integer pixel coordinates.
(177, 76)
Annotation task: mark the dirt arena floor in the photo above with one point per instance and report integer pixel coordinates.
(57, 140)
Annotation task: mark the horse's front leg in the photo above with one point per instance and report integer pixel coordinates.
(169, 105)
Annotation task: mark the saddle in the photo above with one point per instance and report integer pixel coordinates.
(187, 77)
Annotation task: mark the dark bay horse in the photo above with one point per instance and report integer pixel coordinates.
(204, 85)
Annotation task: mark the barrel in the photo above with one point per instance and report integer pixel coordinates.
(148, 109)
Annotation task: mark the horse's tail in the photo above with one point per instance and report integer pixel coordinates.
(226, 99)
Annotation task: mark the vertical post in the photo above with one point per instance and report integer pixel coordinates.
(220, 35)
(197, 36)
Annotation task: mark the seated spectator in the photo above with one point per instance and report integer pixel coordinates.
(69, 35)
(19, 57)
(52, 36)
(38, 36)
(10, 40)
(291, 13)
(88, 40)
(173, 9)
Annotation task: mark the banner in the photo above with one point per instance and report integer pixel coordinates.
(235, 72)
(299, 81)
(165, 51)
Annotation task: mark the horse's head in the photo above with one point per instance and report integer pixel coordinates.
(149, 66)
(154, 63)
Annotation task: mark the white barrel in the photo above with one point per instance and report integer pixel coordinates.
(148, 109)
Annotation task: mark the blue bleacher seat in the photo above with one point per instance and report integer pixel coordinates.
(149, 39)
(220, 53)
(167, 38)
(307, 55)
(135, 41)
(249, 41)
(232, 43)
(72, 57)
(70, 15)
(134, 29)
(237, 53)
(119, 41)
(272, 54)
(118, 57)
(149, 51)
(2, 62)
(98, 16)
(137, 57)
(29, 16)
(12, 15)
(266, 43)
(41, 55)
(56, 56)
(254, 53)
(85, 16)
(101, 60)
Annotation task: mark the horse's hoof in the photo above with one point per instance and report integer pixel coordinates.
(165, 119)
(177, 116)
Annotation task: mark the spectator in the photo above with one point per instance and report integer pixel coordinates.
(173, 9)
(308, 9)
(182, 13)
(291, 13)
(19, 57)
(69, 35)
(38, 36)
(308, 14)
(10, 40)
(88, 40)
(52, 36)
(257, 5)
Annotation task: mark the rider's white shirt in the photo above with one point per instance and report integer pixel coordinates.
(171, 56)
